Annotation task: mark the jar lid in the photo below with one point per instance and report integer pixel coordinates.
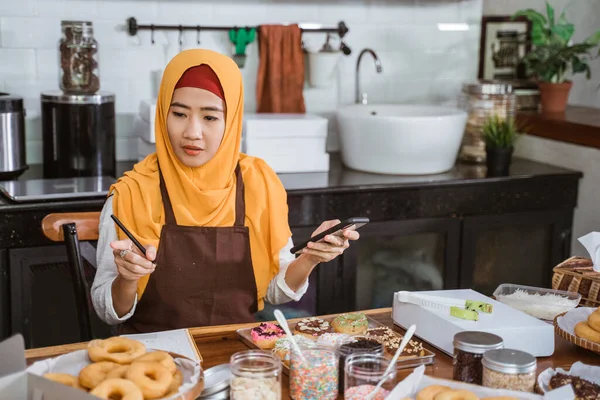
(216, 379)
(488, 87)
(63, 98)
(76, 23)
(509, 361)
(477, 342)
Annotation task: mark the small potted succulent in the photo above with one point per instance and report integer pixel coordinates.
(555, 57)
(500, 135)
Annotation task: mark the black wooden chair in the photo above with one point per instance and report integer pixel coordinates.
(75, 230)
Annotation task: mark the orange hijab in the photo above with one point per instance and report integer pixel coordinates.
(205, 195)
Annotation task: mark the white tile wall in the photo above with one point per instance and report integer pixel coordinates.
(586, 17)
(420, 62)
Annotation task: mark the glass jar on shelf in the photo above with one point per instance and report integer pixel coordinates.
(78, 58)
(482, 100)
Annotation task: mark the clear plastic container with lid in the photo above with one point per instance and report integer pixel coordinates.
(469, 347)
(255, 375)
(78, 58)
(509, 369)
(481, 100)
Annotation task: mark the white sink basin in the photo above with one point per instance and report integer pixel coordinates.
(400, 139)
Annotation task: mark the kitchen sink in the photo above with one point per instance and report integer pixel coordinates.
(400, 139)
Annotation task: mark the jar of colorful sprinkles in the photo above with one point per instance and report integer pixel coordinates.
(314, 373)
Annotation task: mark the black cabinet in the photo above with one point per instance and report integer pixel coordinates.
(519, 248)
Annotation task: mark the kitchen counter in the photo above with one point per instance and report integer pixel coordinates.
(218, 343)
(310, 196)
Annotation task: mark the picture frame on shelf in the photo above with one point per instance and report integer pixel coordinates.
(503, 43)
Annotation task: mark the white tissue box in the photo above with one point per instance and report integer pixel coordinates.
(287, 142)
(519, 331)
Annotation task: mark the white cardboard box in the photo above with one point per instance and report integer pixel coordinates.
(17, 384)
(289, 143)
(519, 331)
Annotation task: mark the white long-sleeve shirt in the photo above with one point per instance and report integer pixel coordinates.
(278, 291)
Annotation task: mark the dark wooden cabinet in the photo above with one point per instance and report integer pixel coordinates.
(519, 248)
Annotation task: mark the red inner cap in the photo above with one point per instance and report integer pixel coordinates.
(201, 77)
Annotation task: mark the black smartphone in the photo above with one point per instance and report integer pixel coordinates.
(350, 223)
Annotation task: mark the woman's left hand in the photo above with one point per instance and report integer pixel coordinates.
(331, 246)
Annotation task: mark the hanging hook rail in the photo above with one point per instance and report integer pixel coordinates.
(133, 27)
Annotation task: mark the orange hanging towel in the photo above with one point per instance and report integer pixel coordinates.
(281, 70)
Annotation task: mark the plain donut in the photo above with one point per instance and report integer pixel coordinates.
(118, 389)
(120, 350)
(583, 330)
(594, 320)
(92, 375)
(429, 392)
(161, 357)
(152, 378)
(456, 395)
(65, 379)
(118, 373)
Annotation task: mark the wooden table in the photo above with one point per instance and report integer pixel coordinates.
(218, 343)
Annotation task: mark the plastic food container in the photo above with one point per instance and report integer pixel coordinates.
(509, 369)
(540, 303)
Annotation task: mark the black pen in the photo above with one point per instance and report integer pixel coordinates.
(129, 235)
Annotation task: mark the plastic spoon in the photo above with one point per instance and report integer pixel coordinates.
(409, 333)
(284, 324)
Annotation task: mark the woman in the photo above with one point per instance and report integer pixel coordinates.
(217, 217)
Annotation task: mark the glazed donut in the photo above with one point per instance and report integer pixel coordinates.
(583, 330)
(65, 379)
(351, 323)
(118, 389)
(118, 373)
(93, 374)
(594, 320)
(312, 327)
(266, 334)
(120, 350)
(161, 357)
(430, 392)
(151, 377)
(456, 395)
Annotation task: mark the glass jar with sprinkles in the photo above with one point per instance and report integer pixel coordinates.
(355, 345)
(469, 347)
(255, 375)
(509, 369)
(313, 373)
(363, 372)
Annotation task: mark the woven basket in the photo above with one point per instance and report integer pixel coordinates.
(576, 274)
(577, 341)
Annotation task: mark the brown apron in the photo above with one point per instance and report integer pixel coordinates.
(204, 275)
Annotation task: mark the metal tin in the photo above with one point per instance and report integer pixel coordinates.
(222, 395)
(216, 380)
(509, 361)
(477, 342)
(488, 87)
(63, 98)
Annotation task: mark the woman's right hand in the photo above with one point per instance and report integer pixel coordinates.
(133, 265)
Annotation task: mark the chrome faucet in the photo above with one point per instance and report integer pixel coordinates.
(362, 97)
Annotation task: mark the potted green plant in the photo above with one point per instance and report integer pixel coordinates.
(500, 135)
(554, 57)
